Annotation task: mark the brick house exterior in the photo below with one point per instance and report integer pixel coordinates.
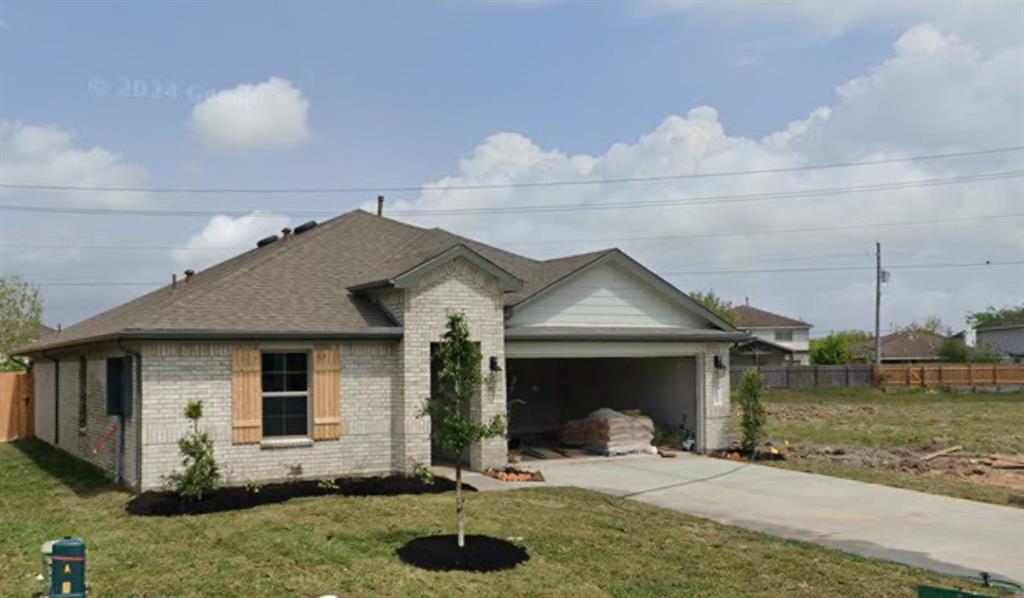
(377, 294)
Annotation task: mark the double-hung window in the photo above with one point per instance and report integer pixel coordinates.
(285, 381)
(785, 336)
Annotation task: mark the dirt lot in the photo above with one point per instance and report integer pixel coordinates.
(881, 437)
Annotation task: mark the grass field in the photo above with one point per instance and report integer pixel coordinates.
(878, 437)
(581, 544)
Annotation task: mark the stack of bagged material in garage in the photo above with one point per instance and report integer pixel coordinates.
(609, 432)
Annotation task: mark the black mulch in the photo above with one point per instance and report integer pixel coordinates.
(165, 504)
(481, 554)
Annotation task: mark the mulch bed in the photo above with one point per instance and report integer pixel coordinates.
(164, 504)
(481, 554)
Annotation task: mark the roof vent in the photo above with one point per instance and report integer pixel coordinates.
(266, 241)
(304, 227)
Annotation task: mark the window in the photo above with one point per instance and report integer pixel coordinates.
(285, 381)
(784, 335)
(83, 394)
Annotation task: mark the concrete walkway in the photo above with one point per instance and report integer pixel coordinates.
(944, 534)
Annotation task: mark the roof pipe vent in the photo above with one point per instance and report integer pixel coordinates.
(266, 241)
(286, 232)
(380, 205)
(305, 227)
(190, 274)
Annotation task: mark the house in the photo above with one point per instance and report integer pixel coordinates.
(312, 354)
(1004, 335)
(907, 346)
(778, 333)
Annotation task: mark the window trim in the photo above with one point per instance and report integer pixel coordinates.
(83, 394)
(286, 439)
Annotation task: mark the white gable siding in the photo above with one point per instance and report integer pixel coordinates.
(606, 295)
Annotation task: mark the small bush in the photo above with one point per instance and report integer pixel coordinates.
(753, 415)
(201, 473)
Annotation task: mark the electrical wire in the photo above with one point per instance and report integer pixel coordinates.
(562, 183)
(526, 209)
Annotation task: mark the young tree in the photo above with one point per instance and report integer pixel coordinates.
(993, 313)
(458, 382)
(753, 415)
(831, 350)
(715, 304)
(21, 313)
(201, 472)
(954, 351)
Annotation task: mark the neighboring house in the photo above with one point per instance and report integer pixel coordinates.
(758, 352)
(1004, 335)
(779, 332)
(312, 354)
(908, 346)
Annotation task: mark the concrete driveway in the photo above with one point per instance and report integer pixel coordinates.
(949, 535)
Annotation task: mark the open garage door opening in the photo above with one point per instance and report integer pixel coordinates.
(545, 393)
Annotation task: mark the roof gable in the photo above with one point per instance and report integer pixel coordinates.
(616, 291)
(404, 277)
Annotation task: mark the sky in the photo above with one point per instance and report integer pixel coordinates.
(421, 100)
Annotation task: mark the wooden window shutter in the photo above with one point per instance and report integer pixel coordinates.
(246, 395)
(326, 393)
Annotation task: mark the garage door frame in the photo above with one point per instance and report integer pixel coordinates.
(622, 349)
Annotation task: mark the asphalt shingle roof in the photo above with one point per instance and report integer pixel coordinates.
(751, 317)
(299, 284)
(909, 344)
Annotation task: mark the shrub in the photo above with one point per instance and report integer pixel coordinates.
(201, 473)
(831, 350)
(753, 415)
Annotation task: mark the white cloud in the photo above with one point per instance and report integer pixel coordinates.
(223, 236)
(935, 94)
(47, 155)
(269, 115)
(991, 23)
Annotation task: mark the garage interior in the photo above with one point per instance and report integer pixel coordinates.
(545, 393)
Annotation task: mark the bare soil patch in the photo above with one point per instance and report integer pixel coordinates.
(972, 467)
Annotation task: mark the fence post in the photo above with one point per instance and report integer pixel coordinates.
(970, 374)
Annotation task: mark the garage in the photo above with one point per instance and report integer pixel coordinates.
(545, 393)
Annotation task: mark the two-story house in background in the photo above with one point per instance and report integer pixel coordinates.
(778, 332)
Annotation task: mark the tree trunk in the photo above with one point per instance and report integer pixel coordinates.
(460, 513)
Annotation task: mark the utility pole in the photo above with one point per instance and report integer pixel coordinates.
(878, 303)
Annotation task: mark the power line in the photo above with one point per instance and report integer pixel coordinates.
(562, 183)
(841, 268)
(927, 266)
(771, 231)
(718, 199)
(700, 200)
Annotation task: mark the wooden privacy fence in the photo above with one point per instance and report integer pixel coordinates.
(950, 375)
(803, 376)
(16, 405)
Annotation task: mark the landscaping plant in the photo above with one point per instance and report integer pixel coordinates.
(201, 472)
(458, 382)
(753, 415)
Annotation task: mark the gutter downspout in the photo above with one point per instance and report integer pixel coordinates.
(136, 416)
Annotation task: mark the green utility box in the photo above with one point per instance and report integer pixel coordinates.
(67, 568)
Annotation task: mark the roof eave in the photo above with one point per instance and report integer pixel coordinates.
(372, 333)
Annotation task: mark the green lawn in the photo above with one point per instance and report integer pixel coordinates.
(582, 544)
(883, 434)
